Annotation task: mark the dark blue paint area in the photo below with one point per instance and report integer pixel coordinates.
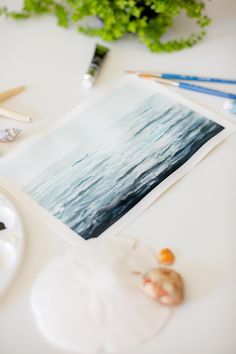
(91, 191)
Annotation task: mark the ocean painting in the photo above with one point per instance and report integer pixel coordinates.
(142, 143)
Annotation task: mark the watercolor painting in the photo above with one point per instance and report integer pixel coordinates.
(91, 186)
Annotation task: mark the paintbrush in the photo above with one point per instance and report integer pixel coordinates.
(190, 87)
(9, 113)
(182, 77)
(10, 93)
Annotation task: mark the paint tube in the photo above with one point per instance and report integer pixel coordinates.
(93, 69)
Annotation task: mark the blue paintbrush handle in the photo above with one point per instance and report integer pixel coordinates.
(206, 90)
(197, 78)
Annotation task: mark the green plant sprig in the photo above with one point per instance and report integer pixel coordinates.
(148, 19)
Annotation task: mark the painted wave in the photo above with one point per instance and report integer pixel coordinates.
(91, 191)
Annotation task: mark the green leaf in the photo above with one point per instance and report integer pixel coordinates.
(148, 19)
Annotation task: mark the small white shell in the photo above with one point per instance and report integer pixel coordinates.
(8, 135)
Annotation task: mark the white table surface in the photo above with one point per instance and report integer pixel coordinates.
(195, 218)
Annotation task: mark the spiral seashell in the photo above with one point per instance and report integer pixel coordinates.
(9, 135)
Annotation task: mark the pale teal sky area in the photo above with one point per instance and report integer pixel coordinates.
(82, 129)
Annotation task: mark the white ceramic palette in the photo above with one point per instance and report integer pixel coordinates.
(11, 242)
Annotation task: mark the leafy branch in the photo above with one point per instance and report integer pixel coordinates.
(149, 19)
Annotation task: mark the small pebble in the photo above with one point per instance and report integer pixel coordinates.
(164, 285)
(166, 257)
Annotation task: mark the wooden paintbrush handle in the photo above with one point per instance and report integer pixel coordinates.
(10, 93)
(14, 115)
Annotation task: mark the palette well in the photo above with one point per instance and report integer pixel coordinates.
(11, 242)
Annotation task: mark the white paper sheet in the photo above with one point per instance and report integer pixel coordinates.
(111, 157)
